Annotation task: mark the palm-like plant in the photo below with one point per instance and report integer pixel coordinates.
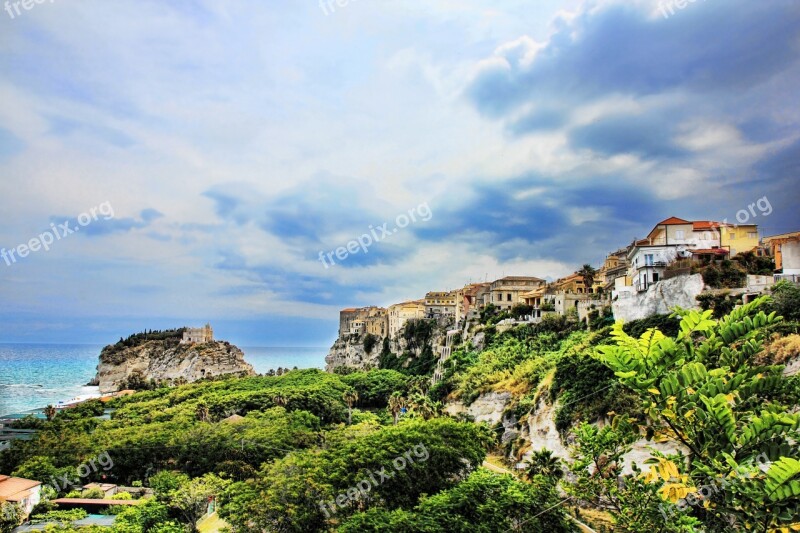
(280, 400)
(424, 406)
(544, 463)
(201, 412)
(350, 397)
(587, 273)
(50, 412)
(396, 403)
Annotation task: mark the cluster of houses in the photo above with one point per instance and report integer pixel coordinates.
(669, 250)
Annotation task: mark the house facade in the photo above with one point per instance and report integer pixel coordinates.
(355, 321)
(471, 299)
(401, 313)
(24, 492)
(784, 248)
(440, 304)
(676, 239)
(507, 292)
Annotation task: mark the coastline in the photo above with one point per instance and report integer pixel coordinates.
(62, 372)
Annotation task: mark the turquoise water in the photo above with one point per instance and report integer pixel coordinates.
(35, 375)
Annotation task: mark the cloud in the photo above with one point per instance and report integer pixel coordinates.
(103, 224)
(625, 48)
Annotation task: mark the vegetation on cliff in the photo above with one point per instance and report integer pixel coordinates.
(302, 451)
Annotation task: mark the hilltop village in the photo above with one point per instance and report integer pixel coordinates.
(691, 264)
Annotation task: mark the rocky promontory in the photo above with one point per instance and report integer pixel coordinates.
(161, 357)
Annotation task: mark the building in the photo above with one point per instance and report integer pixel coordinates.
(401, 313)
(572, 284)
(440, 304)
(676, 239)
(471, 299)
(355, 321)
(198, 335)
(536, 299)
(738, 238)
(785, 248)
(615, 266)
(507, 292)
(24, 492)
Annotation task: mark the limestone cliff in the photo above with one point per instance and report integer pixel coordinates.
(350, 351)
(166, 360)
(660, 298)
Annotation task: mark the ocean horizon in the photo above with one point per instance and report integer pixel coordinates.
(34, 375)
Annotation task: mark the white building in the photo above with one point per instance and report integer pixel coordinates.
(24, 492)
(670, 240)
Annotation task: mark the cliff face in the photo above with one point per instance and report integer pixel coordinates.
(660, 298)
(165, 361)
(349, 351)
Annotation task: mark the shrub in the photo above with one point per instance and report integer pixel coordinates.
(370, 341)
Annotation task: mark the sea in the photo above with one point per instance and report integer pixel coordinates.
(33, 376)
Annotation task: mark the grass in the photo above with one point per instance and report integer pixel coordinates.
(211, 524)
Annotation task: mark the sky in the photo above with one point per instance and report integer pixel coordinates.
(215, 160)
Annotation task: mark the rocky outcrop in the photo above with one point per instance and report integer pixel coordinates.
(539, 430)
(168, 361)
(660, 298)
(349, 351)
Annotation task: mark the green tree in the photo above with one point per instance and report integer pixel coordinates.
(588, 274)
(350, 397)
(786, 300)
(396, 404)
(704, 390)
(10, 516)
(192, 498)
(50, 412)
(597, 469)
(485, 503)
(544, 463)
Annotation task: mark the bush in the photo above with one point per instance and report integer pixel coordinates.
(786, 300)
(93, 494)
(667, 324)
(370, 341)
(721, 304)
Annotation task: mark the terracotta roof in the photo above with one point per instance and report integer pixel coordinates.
(349, 310)
(707, 251)
(520, 278)
(673, 221)
(15, 489)
(701, 225)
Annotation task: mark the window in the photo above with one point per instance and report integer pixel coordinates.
(648, 259)
(752, 235)
(655, 277)
(733, 236)
(679, 234)
(508, 297)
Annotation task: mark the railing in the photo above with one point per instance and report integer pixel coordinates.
(794, 278)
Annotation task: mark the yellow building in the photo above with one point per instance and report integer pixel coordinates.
(506, 292)
(738, 239)
(401, 313)
(573, 284)
(440, 303)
